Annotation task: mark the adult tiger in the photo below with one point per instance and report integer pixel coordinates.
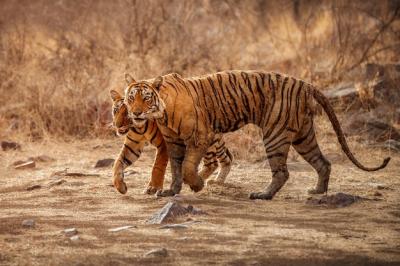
(136, 137)
(194, 110)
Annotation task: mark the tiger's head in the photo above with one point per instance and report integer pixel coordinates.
(121, 121)
(143, 100)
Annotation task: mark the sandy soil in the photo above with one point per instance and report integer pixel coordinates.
(235, 231)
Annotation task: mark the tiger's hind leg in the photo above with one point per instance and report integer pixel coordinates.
(306, 145)
(277, 156)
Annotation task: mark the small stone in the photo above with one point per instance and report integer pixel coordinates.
(29, 223)
(104, 163)
(159, 252)
(381, 187)
(74, 238)
(335, 200)
(33, 187)
(168, 212)
(377, 194)
(70, 232)
(121, 228)
(26, 165)
(10, 145)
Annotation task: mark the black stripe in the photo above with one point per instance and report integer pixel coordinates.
(137, 154)
(278, 154)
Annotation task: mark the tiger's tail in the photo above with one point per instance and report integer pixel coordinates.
(324, 102)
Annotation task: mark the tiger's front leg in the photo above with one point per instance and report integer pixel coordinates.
(176, 152)
(159, 167)
(190, 165)
(118, 174)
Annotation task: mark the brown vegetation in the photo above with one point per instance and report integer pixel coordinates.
(59, 59)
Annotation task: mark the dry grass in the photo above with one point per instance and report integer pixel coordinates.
(59, 59)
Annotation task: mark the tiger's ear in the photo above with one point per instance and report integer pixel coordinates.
(129, 79)
(115, 96)
(158, 82)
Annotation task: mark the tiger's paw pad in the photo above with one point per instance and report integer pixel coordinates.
(165, 193)
(316, 191)
(260, 195)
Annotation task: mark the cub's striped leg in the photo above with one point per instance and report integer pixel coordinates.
(224, 157)
(129, 154)
(210, 164)
(176, 153)
(306, 145)
(277, 155)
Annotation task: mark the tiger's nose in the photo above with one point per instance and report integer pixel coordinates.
(137, 113)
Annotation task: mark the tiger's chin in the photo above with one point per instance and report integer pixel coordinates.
(138, 122)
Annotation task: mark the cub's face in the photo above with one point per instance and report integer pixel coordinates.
(143, 102)
(121, 121)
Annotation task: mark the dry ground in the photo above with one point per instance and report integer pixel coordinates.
(236, 230)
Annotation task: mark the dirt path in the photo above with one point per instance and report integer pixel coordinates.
(235, 231)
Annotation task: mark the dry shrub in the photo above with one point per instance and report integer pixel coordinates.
(59, 59)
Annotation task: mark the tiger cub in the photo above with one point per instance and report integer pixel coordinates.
(194, 110)
(136, 137)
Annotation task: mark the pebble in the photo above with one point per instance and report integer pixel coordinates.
(30, 188)
(10, 145)
(74, 238)
(104, 163)
(70, 232)
(159, 252)
(28, 223)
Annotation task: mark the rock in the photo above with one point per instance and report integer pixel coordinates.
(121, 228)
(344, 95)
(159, 252)
(337, 200)
(70, 232)
(10, 145)
(29, 223)
(74, 238)
(104, 163)
(378, 194)
(26, 165)
(380, 187)
(33, 187)
(372, 127)
(167, 213)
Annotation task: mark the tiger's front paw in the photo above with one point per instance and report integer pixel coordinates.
(199, 185)
(120, 185)
(151, 190)
(165, 193)
(261, 195)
